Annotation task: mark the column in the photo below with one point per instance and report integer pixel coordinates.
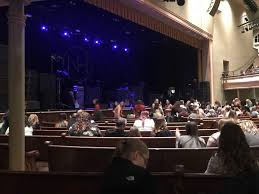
(16, 84)
(212, 97)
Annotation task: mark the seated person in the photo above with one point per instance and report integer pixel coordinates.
(71, 120)
(251, 132)
(214, 138)
(4, 123)
(97, 115)
(118, 110)
(191, 139)
(138, 108)
(27, 129)
(34, 121)
(127, 173)
(134, 132)
(157, 109)
(118, 131)
(196, 111)
(83, 126)
(161, 129)
(62, 121)
(144, 122)
(233, 156)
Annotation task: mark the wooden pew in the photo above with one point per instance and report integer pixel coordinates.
(30, 158)
(78, 183)
(38, 142)
(49, 132)
(96, 159)
(202, 132)
(152, 142)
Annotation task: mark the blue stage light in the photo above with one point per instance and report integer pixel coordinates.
(115, 46)
(86, 39)
(98, 42)
(126, 50)
(44, 28)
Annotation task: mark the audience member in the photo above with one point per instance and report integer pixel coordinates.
(27, 129)
(62, 121)
(233, 156)
(139, 107)
(118, 131)
(118, 110)
(157, 109)
(71, 120)
(161, 129)
(144, 122)
(127, 173)
(5, 123)
(97, 115)
(34, 121)
(196, 112)
(168, 110)
(191, 139)
(134, 132)
(251, 132)
(214, 138)
(232, 115)
(83, 126)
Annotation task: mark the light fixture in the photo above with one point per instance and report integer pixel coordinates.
(44, 28)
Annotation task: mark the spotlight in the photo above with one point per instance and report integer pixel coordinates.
(97, 42)
(115, 46)
(180, 2)
(86, 39)
(126, 50)
(66, 34)
(44, 28)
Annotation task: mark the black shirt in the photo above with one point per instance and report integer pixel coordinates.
(123, 177)
(115, 133)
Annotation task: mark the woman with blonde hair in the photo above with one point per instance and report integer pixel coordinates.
(34, 121)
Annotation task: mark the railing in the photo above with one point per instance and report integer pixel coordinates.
(238, 71)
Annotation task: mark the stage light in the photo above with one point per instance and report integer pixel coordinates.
(115, 46)
(180, 2)
(86, 39)
(126, 50)
(44, 28)
(65, 33)
(97, 42)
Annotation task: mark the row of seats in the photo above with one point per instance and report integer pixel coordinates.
(54, 131)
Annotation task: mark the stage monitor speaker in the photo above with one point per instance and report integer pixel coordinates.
(204, 91)
(213, 7)
(47, 91)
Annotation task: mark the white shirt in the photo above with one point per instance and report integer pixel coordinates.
(149, 124)
(27, 131)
